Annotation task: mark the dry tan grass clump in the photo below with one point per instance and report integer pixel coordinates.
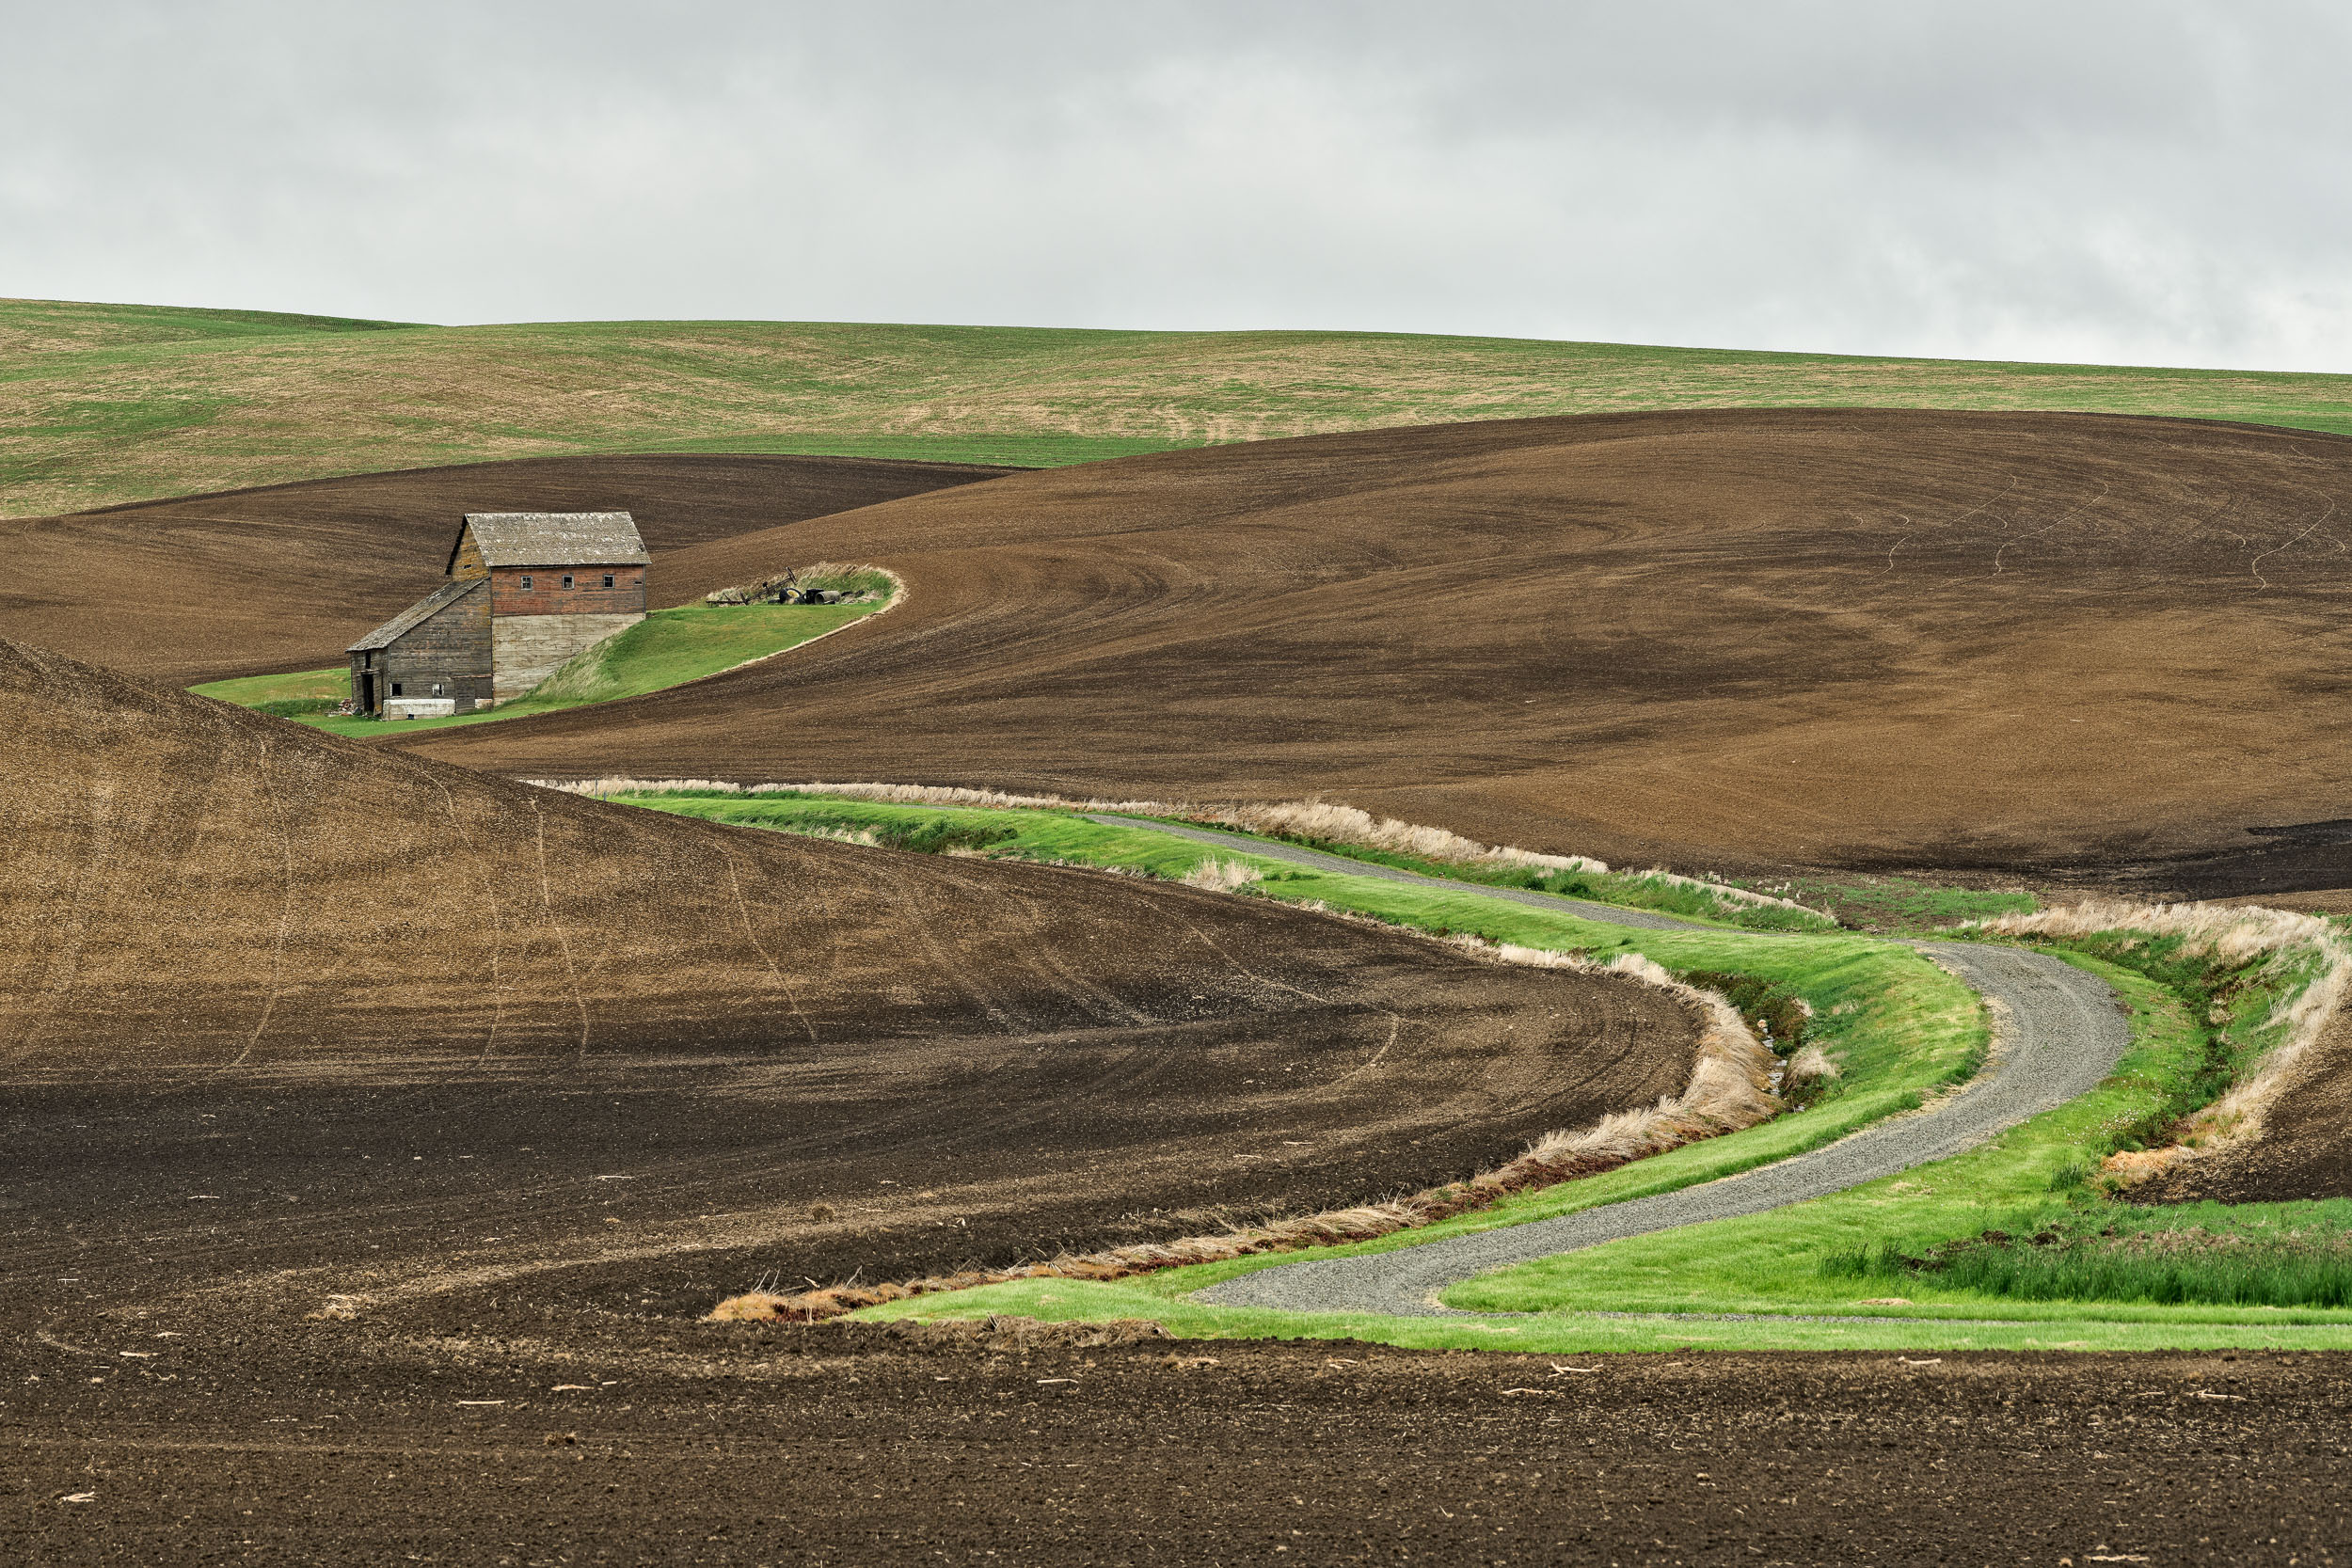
(1730, 1089)
(1220, 875)
(2235, 934)
(1810, 1065)
(1348, 825)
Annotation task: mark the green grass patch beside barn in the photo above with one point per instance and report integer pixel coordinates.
(303, 692)
(669, 647)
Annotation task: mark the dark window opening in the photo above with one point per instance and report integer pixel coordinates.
(526, 580)
(568, 580)
(395, 689)
(608, 579)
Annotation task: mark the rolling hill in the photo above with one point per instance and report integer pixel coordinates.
(364, 1002)
(2077, 647)
(108, 404)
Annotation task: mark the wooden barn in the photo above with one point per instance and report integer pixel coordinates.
(527, 591)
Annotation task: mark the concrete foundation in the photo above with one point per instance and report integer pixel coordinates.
(527, 649)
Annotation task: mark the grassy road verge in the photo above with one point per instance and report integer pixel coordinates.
(1780, 1280)
(1899, 1029)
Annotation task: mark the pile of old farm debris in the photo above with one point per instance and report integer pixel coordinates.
(824, 583)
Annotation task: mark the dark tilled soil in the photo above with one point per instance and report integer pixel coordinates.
(491, 1434)
(271, 1000)
(296, 1027)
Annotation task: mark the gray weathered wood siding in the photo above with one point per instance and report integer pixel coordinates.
(445, 655)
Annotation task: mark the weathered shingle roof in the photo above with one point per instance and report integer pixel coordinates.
(416, 615)
(556, 539)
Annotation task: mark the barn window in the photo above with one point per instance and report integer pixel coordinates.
(395, 689)
(568, 580)
(526, 580)
(608, 579)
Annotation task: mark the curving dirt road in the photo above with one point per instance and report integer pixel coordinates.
(2066, 1033)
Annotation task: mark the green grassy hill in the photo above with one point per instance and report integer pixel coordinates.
(101, 403)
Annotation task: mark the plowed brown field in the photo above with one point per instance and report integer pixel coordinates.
(2064, 646)
(273, 999)
(407, 1112)
(478, 1429)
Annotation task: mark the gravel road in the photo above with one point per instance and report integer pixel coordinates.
(2065, 1032)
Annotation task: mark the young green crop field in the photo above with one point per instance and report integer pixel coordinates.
(1834, 1272)
(669, 647)
(104, 403)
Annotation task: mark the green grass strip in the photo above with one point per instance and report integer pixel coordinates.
(1688, 898)
(1083, 1301)
(302, 686)
(2295, 1255)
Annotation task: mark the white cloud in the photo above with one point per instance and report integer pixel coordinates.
(2143, 183)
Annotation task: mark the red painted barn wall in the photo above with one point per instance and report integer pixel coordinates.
(548, 596)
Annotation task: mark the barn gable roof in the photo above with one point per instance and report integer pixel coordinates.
(554, 538)
(416, 615)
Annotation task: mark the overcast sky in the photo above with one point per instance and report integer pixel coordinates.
(2142, 182)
